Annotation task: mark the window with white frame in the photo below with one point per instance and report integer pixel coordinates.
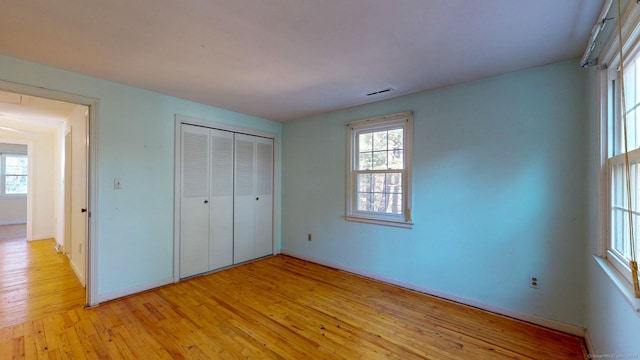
(618, 145)
(379, 170)
(14, 174)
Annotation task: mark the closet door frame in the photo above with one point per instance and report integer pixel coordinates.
(179, 121)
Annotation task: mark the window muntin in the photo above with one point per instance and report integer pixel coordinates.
(378, 185)
(14, 174)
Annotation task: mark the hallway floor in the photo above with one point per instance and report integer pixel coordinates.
(35, 281)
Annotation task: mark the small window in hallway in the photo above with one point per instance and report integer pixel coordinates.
(14, 174)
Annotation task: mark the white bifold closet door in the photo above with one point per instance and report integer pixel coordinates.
(253, 205)
(221, 200)
(206, 219)
(226, 210)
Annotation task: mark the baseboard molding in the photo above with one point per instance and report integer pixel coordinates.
(13, 222)
(551, 324)
(587, 341)
(78, 273)
(42, 237)
(134, 290)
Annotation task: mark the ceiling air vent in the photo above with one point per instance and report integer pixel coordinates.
(380, 91)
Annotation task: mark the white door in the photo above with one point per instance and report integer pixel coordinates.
(253, 198)
(194, 209)
(263, 245)
(221, 200)
(68, 241)
(244, 200)
(79, 190)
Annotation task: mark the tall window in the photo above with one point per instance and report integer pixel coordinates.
(14, 174)
(379, 173)
(619, 244)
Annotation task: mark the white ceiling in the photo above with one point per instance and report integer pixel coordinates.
(287, 59)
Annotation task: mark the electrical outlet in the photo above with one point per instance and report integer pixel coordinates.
(309, 236)
(534, 281)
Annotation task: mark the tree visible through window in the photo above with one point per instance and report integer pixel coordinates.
(14, 174)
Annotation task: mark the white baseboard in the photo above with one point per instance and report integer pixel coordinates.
(133, 290)
(42, 237)
(587, 341)
(79, 274)
(551, 324)
(13, 222)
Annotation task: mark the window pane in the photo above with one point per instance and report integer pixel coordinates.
(380, 160)
(632, 101)
(15, 184)
(380, 140)
(365, 142)
(380, 193)
(636, 81)
(620, 230)
(396, 159)
(618, 188)
(632, 131)
(364, 183)
(395, 139)
(365, 161)
(394, 203)
(378, 183)
(379, 203)
(15, 165)
(364, 201)
(630, 85)
(393, 183)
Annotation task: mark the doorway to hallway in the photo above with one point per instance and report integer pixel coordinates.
(43, 265)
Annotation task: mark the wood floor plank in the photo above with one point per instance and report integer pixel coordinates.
(283, 308)
(36, 281)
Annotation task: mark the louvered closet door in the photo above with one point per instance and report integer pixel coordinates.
(263, 245)
(221, 206)
(194, 216)
(253, 201)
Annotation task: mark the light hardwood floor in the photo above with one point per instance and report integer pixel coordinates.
(13, 232)
(35, 281)
(283, 308)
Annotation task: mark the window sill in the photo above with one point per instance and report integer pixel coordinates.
(20, 196)
(404, 225)
(620, 282)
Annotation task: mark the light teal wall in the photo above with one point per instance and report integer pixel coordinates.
(612, 325)
(135, 143)
(499, 193)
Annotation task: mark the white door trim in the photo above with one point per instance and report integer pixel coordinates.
(91, 253)
(181, 119)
